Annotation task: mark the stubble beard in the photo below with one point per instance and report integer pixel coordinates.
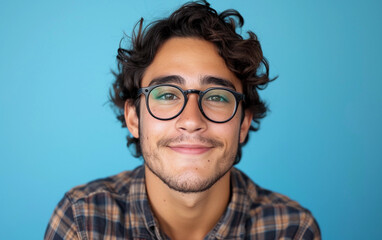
(185, 183)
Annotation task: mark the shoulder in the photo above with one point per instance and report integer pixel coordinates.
(118, 185)
(273, 213)
(91, 209)
(258, 196)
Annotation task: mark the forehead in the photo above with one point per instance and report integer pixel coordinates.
(191, 58)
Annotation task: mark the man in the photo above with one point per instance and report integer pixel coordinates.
(187, 91)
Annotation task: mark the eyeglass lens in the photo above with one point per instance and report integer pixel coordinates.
(165, 102)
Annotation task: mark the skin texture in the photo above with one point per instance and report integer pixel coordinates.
(188, 159)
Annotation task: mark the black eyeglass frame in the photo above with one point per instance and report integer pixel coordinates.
(147, 90)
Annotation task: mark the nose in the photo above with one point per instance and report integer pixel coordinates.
(191, 119)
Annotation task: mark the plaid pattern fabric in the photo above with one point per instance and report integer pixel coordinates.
(117, 208)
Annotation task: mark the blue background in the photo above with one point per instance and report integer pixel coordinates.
(320, 144)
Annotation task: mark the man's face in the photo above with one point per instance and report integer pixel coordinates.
(190, 153)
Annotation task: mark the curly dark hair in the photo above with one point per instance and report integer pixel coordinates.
(243, 57)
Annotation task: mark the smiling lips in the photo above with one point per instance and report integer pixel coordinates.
(190, 148)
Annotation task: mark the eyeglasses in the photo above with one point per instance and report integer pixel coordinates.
(166, 102)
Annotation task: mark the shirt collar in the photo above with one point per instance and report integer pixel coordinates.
(232, 224)
(138, 199)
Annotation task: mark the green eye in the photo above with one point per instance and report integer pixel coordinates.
(166, 96)
(217, 98)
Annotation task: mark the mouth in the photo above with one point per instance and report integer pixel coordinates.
(192, 149)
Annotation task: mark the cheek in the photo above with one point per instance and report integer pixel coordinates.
(229, 133)
(151, 129)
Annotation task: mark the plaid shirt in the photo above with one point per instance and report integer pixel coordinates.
(118, 208)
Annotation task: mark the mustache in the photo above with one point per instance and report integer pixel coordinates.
(182, 138)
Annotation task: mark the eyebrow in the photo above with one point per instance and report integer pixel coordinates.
(217, 81)
(205, 80)
(167, 79)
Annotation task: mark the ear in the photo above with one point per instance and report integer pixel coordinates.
(131, 119)
(244, 128)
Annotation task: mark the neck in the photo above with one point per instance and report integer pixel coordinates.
(187, 215)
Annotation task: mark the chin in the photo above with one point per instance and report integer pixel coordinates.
(188, 179)
(187, 184)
